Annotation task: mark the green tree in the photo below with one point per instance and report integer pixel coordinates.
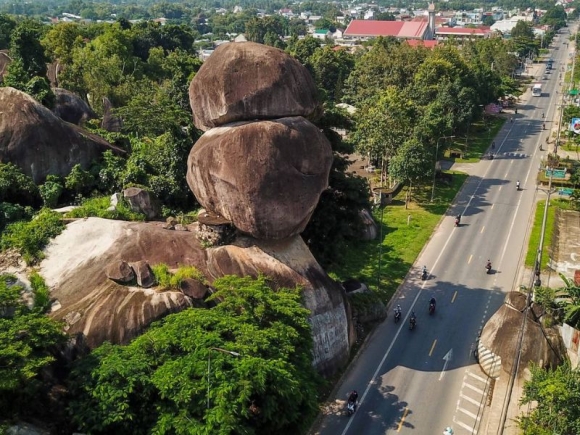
(572, 294)
(488, 20)
(411, 164)
(383, 125)
(162, 379)
(16, 187)
(555, 395)
(27, 341)
(79, 181)
(27, 71)
(51, 190)
(523, 40)
(7, 26)
(331, 68)
(60, 41)
(336, 222)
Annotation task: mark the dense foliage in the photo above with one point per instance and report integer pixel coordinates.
(27, 344)
(555, 395)
(30, 237)
(242, 367)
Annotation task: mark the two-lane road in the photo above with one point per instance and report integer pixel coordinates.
(420, 381)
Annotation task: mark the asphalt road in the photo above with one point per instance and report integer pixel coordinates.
(420, 381)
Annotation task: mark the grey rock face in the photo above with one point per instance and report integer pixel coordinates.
(245, 81)
(265, 177)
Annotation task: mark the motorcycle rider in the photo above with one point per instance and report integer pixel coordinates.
(432, 304)
(424, 272)
(457, 219)
(413, 319)
(518, 184)
(398, 312)
(488, 266)
(352, 398)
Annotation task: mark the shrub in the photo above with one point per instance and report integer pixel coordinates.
(97, 207)
(29, 238)
(41, 292)
(79, 181)
(168, 280)
(16, 187)
(51, 190)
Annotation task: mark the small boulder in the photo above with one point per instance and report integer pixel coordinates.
(142, 201)
(110, 122)
(120, 272)
(193, 288)
(71, 108)
(5, 60)
(143, 273)
(265, 177)
(246, 81)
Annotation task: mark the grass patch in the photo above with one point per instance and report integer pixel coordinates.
(473, 147)
(97, 207)
(383, 264)
(534, 243)
(168, 280)
(30, 237)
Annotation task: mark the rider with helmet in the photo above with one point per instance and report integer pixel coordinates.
(352, 398)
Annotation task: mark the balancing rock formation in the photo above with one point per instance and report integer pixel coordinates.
(262, 165)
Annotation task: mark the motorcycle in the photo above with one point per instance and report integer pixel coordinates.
(397, 316)
(424, 274)
(488, 268)
(431, 308)
(350, 408)
(457, 222)
(518, 186)
(412, 323)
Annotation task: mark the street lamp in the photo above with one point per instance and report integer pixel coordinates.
(435, 171)
(217, 349)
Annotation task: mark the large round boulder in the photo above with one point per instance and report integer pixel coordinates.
(265, 177)
(40, 143)
(246, 81)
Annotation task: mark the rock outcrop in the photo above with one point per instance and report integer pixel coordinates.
(102, 309)
(142, 201)
(71, 108)
(500, 339)
(244, 81)
(5, 60)
(262, 166)
(39, 143)
(265, 177)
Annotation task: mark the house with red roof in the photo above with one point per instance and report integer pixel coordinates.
(368, 29)
(443, 33)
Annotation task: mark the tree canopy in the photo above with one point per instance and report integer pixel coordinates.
(242, 367)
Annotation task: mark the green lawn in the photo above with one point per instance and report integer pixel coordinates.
(534, 243)
(402, 240)
(475, 144)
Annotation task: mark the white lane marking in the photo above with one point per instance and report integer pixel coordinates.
(471, 387)
(471, 414)
(469, 428)
(469, 399)
(479, 378)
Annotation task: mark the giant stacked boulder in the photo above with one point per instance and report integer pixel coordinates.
(261, 164)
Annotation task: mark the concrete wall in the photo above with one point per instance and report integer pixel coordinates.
(571, 337)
